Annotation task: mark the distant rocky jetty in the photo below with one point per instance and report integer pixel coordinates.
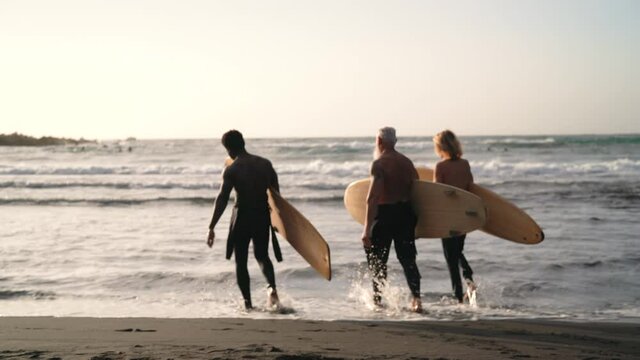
(16, 139)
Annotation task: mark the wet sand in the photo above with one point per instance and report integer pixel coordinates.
(231, 338)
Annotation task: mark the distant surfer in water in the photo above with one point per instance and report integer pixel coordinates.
(455, 171)
(250, 176)
(390, 216)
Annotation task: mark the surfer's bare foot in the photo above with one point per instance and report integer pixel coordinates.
(273, 301)
(471, 286)
(377, 302)
(416, 305)
(471, 293)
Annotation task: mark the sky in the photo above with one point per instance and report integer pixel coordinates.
(194, 69)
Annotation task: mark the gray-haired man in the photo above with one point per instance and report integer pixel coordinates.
(390, 216)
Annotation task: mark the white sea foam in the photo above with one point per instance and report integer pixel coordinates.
(322, 167)
(614, 167)
(519, 141)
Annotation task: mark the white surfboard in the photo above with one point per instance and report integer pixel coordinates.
(504, 219)
(442, 210)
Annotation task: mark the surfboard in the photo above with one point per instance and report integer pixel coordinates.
(504, 219)
(442, 210)
(298, 231)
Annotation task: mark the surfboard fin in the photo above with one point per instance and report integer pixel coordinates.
(471, 213)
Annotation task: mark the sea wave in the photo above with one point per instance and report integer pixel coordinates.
(520, 141)
(311, 166)
(304, 185)
(322, 167)
(37, 295)
(497, 167)
(338, 148)
(110, 170)
(111, 185)
(557, 141)
(293, 148)
(313, 184)
(316, 167)
(197, 200)
(602, 140)
(101, 201)
(520, 289)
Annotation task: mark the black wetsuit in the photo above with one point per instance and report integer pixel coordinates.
(452, 248)
(251, 223)
(394, 222)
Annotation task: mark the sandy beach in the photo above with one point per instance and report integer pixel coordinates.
(232, 338)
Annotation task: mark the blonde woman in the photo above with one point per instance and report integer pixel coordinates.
(455, 171)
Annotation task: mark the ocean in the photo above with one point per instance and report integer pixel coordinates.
(118, 229)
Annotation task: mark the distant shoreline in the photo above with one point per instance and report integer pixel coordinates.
(17, 139)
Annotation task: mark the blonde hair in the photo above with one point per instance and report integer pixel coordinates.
(446, 144)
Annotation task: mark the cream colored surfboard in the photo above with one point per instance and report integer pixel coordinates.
(299, 232)
(442, 210)
(504, 219)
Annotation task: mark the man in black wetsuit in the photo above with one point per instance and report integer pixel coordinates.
(390, 216)
(250, 176)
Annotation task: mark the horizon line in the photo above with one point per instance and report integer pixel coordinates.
(329, 137)
(372, 136)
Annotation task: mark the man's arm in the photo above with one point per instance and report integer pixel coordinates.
(274, 179)
(375, 191)
(220, 204)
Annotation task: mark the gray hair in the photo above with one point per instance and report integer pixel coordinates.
(388, 135)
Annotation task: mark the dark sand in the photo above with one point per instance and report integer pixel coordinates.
(148, 338)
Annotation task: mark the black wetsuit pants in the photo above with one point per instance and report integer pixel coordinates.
(251, 224)
(452, 248)
(395, 222)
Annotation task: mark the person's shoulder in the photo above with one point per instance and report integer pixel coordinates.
(377, 165)
(262, 161)
(404, 157)
(463, 165)
(229, 170)
(258, 158)
(398, 156)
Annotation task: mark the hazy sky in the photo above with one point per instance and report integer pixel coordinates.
(193, 69)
